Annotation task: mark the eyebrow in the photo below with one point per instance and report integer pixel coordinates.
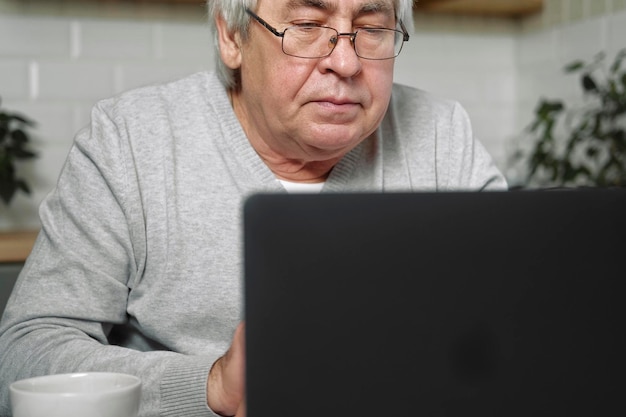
(372, 6)
(377, 6)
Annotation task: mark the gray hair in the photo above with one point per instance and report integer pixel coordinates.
(237, 20)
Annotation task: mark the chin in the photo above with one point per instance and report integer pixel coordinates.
(332, 147)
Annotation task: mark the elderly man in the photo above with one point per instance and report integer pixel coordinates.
(137, 268)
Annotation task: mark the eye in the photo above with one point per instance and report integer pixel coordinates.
(369, 30)
(307, 25)
(367, 26)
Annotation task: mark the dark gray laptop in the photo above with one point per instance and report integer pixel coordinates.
(436, 304)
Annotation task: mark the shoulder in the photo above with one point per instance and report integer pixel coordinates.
(148, 118)
(437, 132)
(414, 102)
(179, 96)
(418, 114)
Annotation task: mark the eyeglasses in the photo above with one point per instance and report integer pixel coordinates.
(315, 41)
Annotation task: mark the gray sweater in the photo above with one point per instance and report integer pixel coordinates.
(138, 265)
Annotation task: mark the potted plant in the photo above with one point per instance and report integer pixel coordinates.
(14, 146)
(582, 145)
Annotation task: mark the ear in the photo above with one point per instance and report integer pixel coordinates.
(230, 43)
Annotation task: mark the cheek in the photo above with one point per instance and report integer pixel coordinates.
(278, 82)
(379, 83)
(380, 79)
(290, 76)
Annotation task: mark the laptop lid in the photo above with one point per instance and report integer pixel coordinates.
(436, 304)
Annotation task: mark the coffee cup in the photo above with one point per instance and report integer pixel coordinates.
(93, 394)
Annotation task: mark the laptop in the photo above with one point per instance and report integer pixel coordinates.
(436, 304)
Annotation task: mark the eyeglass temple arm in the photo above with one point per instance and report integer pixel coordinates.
(265, 24)
(406, 33)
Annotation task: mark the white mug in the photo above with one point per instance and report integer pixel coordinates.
(88, 394)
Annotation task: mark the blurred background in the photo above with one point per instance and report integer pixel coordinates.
(497, 57)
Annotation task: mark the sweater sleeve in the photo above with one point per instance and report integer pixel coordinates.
(74, 287)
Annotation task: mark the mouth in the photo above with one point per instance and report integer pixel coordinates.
(336, 106)
(333, 101)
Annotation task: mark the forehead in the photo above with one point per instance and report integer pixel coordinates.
(357, 6)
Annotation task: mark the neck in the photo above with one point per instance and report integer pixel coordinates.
(299, 171)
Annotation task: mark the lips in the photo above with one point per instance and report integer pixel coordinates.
(336, 101)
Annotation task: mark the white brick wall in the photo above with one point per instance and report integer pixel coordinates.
(15, 70)
(54, 69)
(479, 70)
(34, 37)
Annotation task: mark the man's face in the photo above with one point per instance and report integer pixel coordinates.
(312, 109)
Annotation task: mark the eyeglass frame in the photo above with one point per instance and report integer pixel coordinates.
(352, 35)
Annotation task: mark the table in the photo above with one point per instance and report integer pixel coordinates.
(15, 246)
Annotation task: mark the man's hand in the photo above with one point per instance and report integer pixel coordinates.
(226, 383)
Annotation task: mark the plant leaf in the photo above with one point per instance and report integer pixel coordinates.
(574, 66)
(23, 119)
(617, 63)
(21, 184)
(20, 153)
(7, 190)
(19, 136)
(619, 141)
(589, 85)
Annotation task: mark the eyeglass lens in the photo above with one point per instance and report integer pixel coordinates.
(318, 42)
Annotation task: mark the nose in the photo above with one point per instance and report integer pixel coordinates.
(335, 39)
(343, 59)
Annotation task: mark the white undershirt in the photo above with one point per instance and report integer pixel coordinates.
(302, 187)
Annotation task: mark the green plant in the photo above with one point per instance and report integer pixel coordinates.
(14, 142)
(583, 145)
